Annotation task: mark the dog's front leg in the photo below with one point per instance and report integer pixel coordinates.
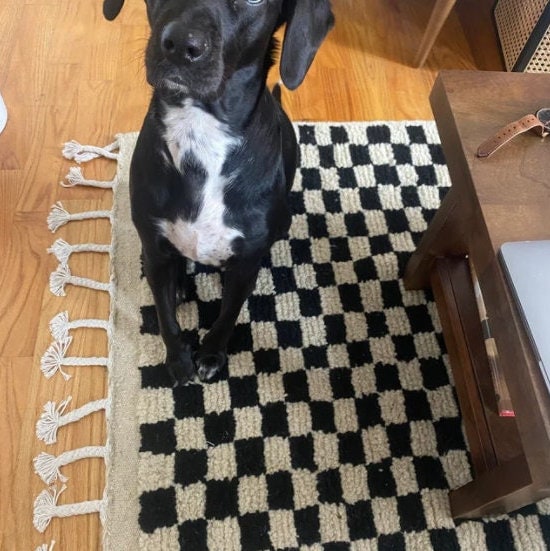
(163, 275)
(239, 282)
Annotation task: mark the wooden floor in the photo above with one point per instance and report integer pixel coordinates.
(68, 74)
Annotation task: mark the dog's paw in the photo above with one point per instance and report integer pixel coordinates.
(208, 365)
(180, 366)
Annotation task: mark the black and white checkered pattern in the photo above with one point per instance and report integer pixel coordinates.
(335, 425)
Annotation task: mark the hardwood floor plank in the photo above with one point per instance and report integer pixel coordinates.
(10, 15)
(22, 279)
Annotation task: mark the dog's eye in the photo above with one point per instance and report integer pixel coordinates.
(254, 2)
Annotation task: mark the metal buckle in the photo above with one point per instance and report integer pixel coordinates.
(544, 117)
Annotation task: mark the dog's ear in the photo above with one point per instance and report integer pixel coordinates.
(307, 24)
(111, 8)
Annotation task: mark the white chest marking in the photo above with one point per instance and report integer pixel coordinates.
(206, 240)
(190, 130)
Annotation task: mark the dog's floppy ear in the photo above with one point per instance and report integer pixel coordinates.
(307, 24)
(111, 8)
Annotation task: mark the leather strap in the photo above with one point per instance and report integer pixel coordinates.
(510, 131)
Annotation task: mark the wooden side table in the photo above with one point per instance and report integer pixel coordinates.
(505, 197)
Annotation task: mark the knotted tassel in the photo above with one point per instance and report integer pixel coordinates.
(59, 216)
(46, 508)
(45, 547)
(53, 417)
(75, 151)
(76, 178)
(50, 420)
(63, 250)
(60, 325)
(47, 466)
(62, 276)
(54, 359)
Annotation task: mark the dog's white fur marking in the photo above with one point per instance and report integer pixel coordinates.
(190, 129)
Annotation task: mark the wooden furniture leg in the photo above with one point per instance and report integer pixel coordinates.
(439, 15)
(505, 487)
(444, 237)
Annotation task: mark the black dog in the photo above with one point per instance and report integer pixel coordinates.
(216, 155)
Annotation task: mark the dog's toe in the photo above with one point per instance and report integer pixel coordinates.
(181, 367)
(208, 365)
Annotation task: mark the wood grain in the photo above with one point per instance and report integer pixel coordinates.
(68, 74)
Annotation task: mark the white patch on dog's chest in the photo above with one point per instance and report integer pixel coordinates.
(205, 240)
(190, 130)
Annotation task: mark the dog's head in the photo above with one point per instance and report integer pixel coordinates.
(196, 46)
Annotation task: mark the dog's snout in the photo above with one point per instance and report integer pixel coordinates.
(181, 44)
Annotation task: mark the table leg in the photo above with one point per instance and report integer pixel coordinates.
(444, 237)
(502, 489)
(439, 15)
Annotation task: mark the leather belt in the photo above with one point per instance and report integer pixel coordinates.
(538, 123)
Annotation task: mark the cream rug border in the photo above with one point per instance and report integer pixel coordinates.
(121, 530)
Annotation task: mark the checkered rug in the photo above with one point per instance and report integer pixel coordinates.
(335, 425)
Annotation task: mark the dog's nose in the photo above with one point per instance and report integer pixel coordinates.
(179, 43)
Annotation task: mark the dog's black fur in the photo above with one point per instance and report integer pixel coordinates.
(216, 155)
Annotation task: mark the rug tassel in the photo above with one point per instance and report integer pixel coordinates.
(47, 466)
(45, 547)
(60, 325)
(62, 276)
(53, 417)
(59, 216)
(51, 420)
(63, 250)
(76, 178)
(75, 151)
(54, 359)
(46, 508)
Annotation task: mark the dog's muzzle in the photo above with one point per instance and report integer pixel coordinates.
(184, 56)
(183, 45)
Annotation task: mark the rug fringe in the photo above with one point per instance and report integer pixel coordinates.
(55, 358)
(59, 216)
(60, 325)
(47, 466)
(53, 417)
(75, 151)
(63, 250)
(76, 178)
(62, 276)
(46, 508)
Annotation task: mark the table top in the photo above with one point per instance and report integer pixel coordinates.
(512, 185)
